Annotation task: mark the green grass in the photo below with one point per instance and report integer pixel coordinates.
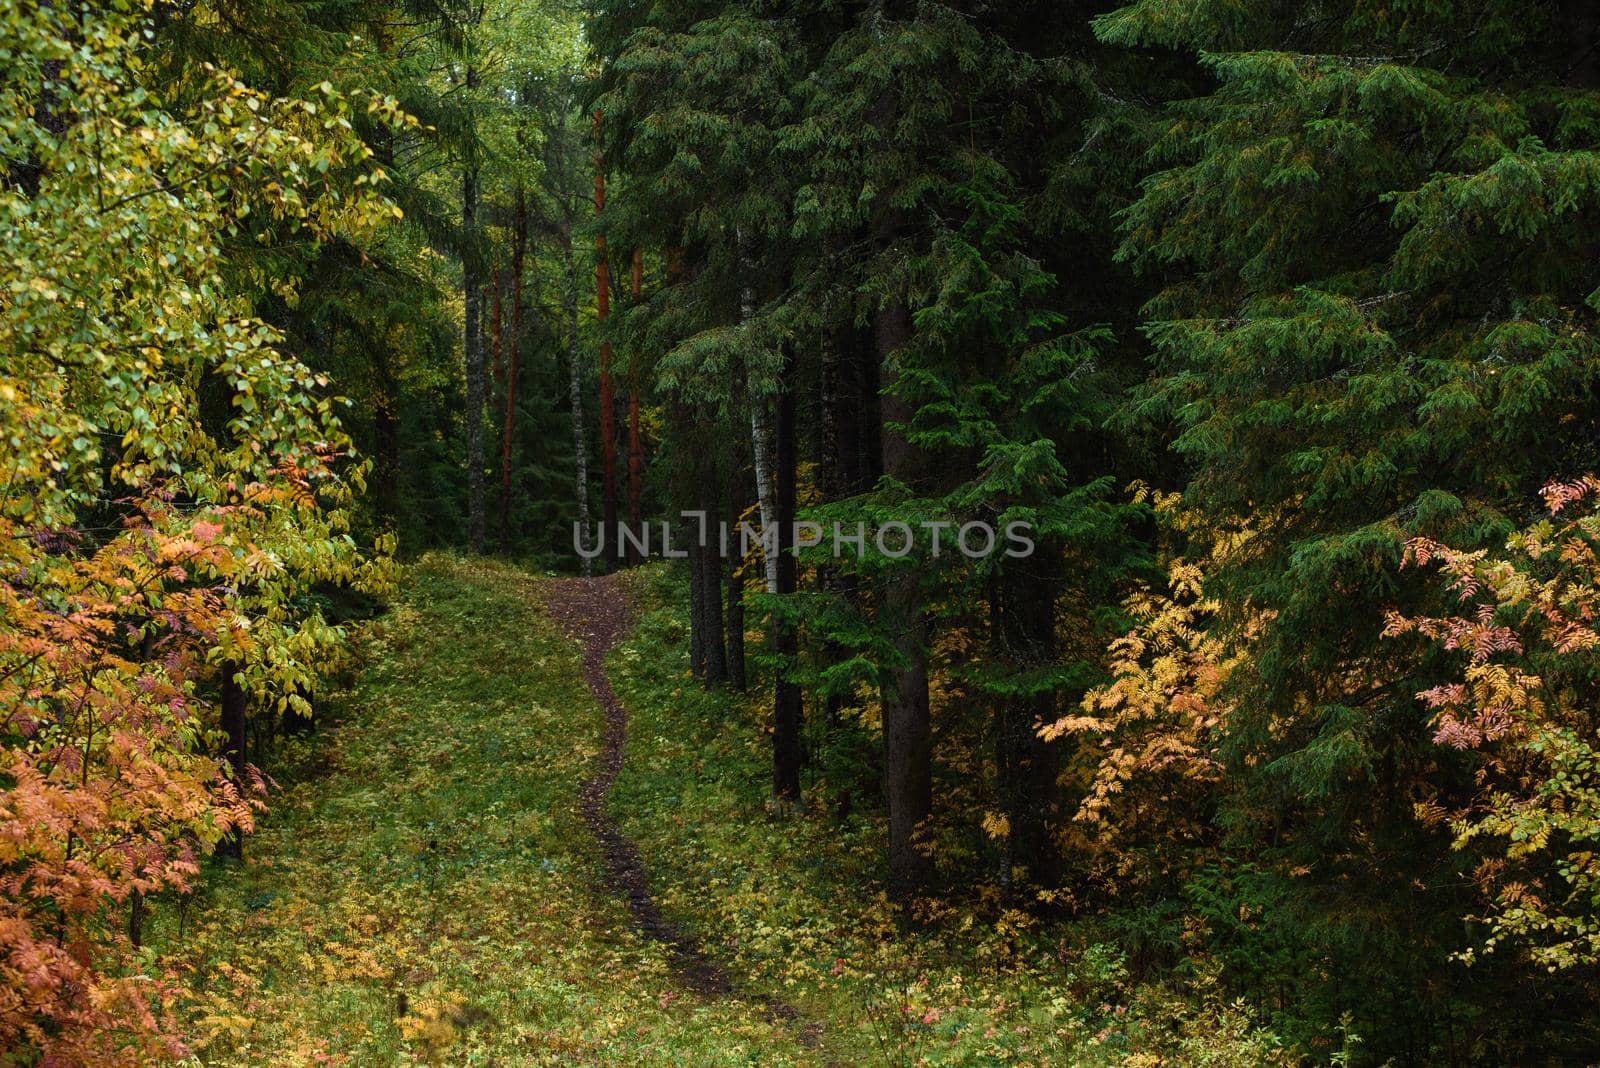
(423, 890)
(793, 900)
(427, 846)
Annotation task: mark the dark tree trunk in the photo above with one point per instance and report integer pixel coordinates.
(28, 173)
(869, 456)
(839, 420)
(787, 709)
(903, 685)
(711, 583)
(737, 675)
(687, 494)
(697, 612)
(580, 445)
(843, 399)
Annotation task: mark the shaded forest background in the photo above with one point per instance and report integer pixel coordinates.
(1276, 322)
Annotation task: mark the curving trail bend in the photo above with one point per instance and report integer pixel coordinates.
(596, 613)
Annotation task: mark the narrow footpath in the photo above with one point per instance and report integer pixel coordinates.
(595, 612)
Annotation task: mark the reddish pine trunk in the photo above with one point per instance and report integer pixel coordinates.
(608, 398)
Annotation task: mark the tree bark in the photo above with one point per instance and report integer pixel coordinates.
(761, 460)
(903, 681)
(136, 918)
(580, 447)
(738, 676)
(787, 708)
(869, 462)
(760, 428)
(697, 613)
(711, 581)
(839, 420)
(903, 684)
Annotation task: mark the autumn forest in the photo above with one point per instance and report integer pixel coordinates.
(834, 532)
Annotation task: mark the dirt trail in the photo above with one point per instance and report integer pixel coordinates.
(596, 613)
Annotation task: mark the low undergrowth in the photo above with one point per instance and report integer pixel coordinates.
(786, 898)
(423, 890)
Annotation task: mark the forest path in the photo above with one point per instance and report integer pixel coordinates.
(425, 891)
(597, 614)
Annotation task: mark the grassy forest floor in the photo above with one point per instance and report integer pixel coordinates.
(425, 890)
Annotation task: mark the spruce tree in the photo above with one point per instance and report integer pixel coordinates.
(1376, 233)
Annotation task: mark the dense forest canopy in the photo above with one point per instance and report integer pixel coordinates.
(1269, 329)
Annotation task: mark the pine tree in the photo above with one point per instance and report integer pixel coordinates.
(1376, 233)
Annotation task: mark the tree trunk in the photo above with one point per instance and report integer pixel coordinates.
(608, 397)
(760, 430)
(839, 420)
(869, 434)
(903, 681)
(29, 172)
(787, 708)
(903, 684)
(697, 613)
(761, 460)
(519, 250)
(738, 676)
(711, 582)
(580, 447)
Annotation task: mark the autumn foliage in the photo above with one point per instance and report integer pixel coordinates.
(150, 539)
(1524, 698)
